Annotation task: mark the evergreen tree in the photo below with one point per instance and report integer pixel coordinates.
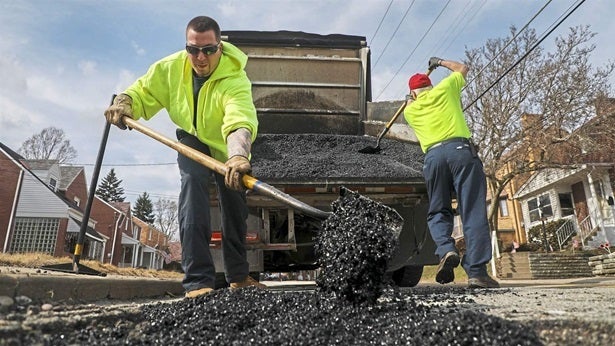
(144, 209)
(110, 189)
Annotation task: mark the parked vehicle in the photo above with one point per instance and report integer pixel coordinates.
(312, 94)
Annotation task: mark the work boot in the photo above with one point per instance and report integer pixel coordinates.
(483, 282)
(446, 268)
(247, 282)
(198, 292)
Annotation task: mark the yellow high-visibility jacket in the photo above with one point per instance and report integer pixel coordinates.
(224, 103)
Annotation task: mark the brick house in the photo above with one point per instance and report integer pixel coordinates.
(40, 209)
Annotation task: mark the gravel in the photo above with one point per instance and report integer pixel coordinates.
(423, 315)
(322, 157)
(354, 247)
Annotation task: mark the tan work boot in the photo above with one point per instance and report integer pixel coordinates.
(483, 282)
(247, 282)
(198, 292)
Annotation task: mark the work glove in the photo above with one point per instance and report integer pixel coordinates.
(434, 62)
(122, 106)
(236, 167)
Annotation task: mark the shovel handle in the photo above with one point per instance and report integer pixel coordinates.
(249, 182)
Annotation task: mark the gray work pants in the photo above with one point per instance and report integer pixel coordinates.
(195, 222)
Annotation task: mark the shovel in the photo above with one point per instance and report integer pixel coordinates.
(250, 182)
(376, 149)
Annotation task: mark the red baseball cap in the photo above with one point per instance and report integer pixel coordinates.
(418, 81)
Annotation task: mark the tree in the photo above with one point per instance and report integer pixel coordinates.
(49, 144)
(144, 209)
(166, 217)
(530, 119)
(110, 189)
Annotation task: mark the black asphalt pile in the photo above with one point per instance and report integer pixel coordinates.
(260, 317)
(354, 247)
(322, 157)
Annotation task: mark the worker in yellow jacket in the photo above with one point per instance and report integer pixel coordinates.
(207, 94)
(452, 168)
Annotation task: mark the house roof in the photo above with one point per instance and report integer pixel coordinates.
(41, 165)
(128, 240)
(90, 232)
(68, 175)
(546, 178)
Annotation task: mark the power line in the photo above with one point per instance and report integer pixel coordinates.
(507, 44)
(393, 35)
(123, 164)
(466, 22)
(382, 20)
(524, 55)
(415, 47)
(454, 30)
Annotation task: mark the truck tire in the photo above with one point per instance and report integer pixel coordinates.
(408, 276)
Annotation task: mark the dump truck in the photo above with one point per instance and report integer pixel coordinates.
(312, 93)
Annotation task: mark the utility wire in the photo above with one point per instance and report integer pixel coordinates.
(415, 47)
(123, 164)
(382, 20)
(466, 22)
(454, 29)
(507, 44)
(525, 55)
(393, 35)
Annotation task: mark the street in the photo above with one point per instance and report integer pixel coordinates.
(547, 312)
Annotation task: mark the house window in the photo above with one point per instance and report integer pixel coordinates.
(539, 206)
(565, 204)
(77, 201)
(503, 207)
(53, 183)
(35, 235)
(136, 232)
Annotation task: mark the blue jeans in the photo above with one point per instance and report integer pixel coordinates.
(452, 167)
(195, 222)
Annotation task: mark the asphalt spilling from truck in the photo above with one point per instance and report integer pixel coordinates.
(354, 248)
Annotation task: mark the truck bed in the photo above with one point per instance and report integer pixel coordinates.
(325, 158)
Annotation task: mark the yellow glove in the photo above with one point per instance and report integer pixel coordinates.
(236, 167)
(122, 106)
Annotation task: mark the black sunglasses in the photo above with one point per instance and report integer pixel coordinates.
(207, 50)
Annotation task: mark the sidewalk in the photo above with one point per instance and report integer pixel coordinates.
(44, 286)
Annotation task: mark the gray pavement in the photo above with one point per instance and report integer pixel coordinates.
(46, 286)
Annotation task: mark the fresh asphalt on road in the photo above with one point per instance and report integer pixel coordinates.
(42, 285)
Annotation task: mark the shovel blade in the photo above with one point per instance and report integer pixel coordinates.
(70, 268)
(387, 215)
(370, 150)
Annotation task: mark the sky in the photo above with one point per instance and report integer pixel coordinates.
(62, 60)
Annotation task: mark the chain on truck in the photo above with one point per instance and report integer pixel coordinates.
(319, 85)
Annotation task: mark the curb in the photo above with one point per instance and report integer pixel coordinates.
(46, 287)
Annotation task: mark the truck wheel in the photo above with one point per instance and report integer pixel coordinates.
(408, 276)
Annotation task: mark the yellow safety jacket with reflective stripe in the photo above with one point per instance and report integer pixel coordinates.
(224, 103)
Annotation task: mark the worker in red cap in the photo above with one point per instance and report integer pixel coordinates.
(451, 166)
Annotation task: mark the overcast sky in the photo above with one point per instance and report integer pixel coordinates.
(61, 60)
